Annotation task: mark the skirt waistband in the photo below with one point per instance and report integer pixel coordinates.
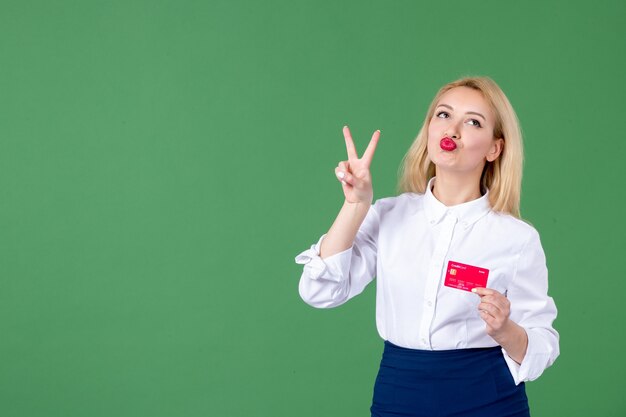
(449, 361)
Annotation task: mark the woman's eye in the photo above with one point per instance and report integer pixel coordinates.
(443, 114)
(475, 122)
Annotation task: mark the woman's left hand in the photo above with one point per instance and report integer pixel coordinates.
(494, 309)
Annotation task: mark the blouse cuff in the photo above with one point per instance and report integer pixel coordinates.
(534, 361)
(514, 367)
(333, 268)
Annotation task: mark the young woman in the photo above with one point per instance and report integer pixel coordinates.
(461, 280)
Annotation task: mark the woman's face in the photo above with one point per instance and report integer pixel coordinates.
(464, 117)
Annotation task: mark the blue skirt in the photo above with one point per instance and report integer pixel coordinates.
(460, 383)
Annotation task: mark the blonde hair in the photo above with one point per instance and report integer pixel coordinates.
(502, 177)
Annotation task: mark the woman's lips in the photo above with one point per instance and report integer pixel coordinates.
(447, 144)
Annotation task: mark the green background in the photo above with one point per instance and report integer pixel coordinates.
(162, 163)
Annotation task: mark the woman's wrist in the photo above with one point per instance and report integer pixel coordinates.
(341, 234)
(514, 340)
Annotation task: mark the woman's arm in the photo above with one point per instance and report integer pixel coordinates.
(343, 262)
(356, 180)
(332, 281)
(344, 229)
(521, 321)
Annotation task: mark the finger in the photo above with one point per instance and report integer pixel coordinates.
(344, 177)
(491, 321)
(490, 299)
(371, 148)
(342, 169)
(485, 313)
(492, 309)
(488, 318)
(497, 299)
(349, 144)
(344, 166)
(484, 291)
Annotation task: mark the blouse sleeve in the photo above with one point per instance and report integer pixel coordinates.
(535, 311)
(332, 281)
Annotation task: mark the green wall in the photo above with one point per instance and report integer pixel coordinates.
(162, 162)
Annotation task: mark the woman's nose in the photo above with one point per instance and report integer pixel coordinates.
(453, 130)
(451, 133)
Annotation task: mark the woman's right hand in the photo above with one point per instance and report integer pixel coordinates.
(354, 174)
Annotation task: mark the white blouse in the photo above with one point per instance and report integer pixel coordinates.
(406, 243)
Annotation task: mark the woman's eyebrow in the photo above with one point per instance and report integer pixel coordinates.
(469, 112)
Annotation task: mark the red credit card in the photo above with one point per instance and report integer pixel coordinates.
(465, 277)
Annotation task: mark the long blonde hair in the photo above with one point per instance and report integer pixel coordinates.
(502, 177)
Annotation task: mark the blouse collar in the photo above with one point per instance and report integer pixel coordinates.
(465, 213)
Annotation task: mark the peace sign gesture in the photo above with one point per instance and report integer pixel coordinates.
(354, 173)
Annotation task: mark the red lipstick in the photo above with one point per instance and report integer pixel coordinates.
(447, 144)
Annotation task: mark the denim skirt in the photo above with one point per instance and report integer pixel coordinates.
(445, 383)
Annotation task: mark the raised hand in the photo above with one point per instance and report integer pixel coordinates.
(354, 173)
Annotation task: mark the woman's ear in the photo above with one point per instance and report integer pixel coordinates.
(495, 150)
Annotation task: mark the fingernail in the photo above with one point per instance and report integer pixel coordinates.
(341, 175)
(473, 289)
(343, 182)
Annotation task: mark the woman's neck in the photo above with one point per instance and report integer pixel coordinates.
(451, 189)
